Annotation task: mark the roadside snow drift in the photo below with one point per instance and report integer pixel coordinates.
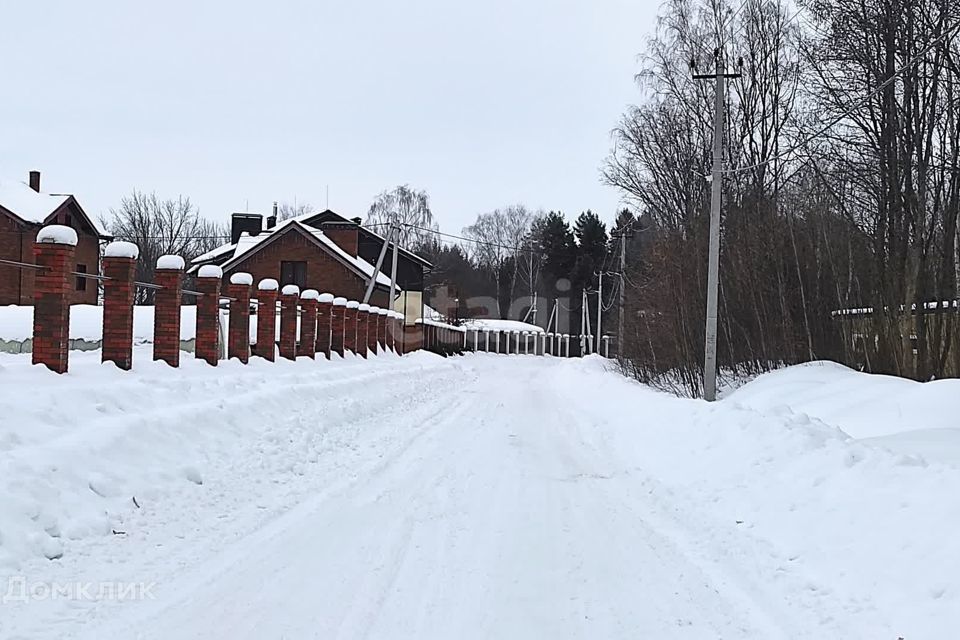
(477, 497)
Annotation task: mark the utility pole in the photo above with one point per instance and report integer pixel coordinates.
(393, 273)
(713, 260)
(599, 309)
(623, 286)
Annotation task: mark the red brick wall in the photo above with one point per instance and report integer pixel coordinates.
(324, 273)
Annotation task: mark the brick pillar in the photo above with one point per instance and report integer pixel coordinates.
(382, 330)
(267, 319)
(166, 309)
(308, 323)
(338, 325)
(119, 265)
(393, 338)
(207, 346)
(363, 329)
(52, 288)
(350, 327)
(373, 330)
(324, 317)
(238, 342)
(289, 299)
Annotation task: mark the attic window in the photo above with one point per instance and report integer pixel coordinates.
(293, 273)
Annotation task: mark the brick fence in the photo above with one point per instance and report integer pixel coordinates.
(311, 323)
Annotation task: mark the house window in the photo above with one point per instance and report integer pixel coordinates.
(293, 273)
(81, 281)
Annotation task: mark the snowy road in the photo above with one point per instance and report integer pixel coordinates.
(484, 497)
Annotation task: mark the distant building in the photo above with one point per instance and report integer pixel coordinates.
(323, 251)
(24, 210)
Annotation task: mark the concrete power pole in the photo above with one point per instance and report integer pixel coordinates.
(599, 309)
(623, 286)
(713, 260)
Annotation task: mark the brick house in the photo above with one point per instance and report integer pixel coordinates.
(24, 210)
(322, 251)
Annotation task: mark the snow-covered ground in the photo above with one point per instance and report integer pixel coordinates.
(476, 497)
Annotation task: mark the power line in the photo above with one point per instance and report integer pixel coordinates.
(462, 238)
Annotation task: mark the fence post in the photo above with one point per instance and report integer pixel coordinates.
(566, 341)
(238, 340)
(53, 250)
(166, 309)
(267, 319)
(382, 329)
(363, 328)
(339, 325)
(119, 264)
(324, 317)
(350, 327)
(208, 314)
(373, 337)
(308, 323)
(289, 297)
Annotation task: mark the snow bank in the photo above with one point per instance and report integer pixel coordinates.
(821, 526)
(105, 443)
(57, 234)
(904, 415)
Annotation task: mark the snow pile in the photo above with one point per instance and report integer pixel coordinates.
(170, 262)
(490, 324)
(57, 234)
(241, 278)
(122, 249)
(210, 271)
(904, 415)
(268, 284)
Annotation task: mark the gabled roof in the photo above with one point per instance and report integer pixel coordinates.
(328, 216)
(20, 201)
(230, 255)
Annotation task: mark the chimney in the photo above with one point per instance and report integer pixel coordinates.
(272, 220)
(343, 234)
(252, 223)
(35, 181)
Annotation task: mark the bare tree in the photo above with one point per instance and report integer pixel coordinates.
(498, 245)
(407, 207)
(161, 227)
(287, 210)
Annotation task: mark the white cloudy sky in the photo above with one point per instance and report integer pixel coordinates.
(482, 104)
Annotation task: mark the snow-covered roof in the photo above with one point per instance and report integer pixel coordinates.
(19, 199)
(248, 243)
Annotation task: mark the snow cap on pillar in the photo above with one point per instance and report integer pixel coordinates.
(121, 249)
(241, 278)
(325, 297)
(353, 304)
(210, 271)
(309, 294)
(340, 302)
(268, 284)
(290, 290)
(57, 234)
(171, 262)
(364, 307)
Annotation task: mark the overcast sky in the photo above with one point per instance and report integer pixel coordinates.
(482, 104)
